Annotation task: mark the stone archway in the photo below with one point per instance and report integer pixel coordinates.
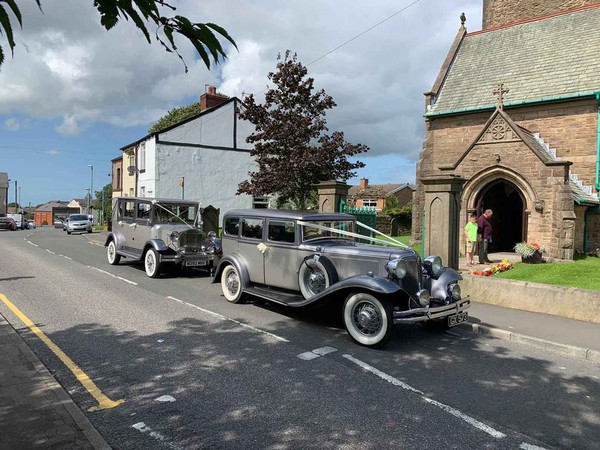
(509, 219)
(509, 195)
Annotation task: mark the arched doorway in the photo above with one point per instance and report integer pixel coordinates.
(507, 202)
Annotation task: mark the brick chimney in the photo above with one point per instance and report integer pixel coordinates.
(364, 182)
(211, 99)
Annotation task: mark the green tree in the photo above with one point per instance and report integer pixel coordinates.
(141, 12)
(103, 201)
(291, 146)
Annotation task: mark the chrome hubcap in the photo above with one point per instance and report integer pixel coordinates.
(150, 262)
(367, 318)
(232, 283)
(315, 281)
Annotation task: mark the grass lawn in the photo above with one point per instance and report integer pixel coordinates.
(583, 273)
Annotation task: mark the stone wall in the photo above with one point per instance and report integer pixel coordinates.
(503, 12)
(384, 225)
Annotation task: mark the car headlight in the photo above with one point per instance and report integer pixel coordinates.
(396, 268)
(174, 236)
(454, 291)
(423, 297)
(433, 265)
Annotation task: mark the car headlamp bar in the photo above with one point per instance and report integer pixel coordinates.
(345, 233)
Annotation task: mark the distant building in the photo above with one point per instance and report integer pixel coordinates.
(51, 212)
(3, 193)
(375, 195)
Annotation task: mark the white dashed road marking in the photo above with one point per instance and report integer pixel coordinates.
(307, 356)
(35, 245)
(250, 327)
(114, 276)
(470, 420)
(142, 427)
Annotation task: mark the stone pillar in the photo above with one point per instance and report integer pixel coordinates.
(441, 234)
(330, 194)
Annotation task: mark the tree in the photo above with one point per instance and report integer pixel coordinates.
(291, 146)
(103, 201)
(141, 12)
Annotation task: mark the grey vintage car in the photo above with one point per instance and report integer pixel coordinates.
(159, 232)
(295, 259)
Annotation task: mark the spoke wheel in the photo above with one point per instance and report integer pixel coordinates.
(231, 284)
(111, 253)
(151, 263)
(368, 320)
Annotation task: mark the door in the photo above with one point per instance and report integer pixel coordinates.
(281, 258)
(250, 237)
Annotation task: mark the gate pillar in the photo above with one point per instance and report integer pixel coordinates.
(441, 232)
(331, 193)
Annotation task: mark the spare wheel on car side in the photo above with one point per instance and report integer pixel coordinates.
(316, 274)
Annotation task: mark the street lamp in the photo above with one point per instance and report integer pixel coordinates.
(91, 187)
(20, 197)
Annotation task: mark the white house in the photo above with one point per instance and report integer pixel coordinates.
(202, 158)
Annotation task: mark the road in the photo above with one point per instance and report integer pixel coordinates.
(197, 372)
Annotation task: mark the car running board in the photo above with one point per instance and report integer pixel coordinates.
(277, 296)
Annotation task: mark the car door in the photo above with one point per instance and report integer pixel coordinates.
(281, 254)
(124, 225)
(139, 231)
(251, 235)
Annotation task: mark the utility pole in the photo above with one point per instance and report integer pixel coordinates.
(16, 198)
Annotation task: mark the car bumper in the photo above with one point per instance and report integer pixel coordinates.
(80, 228)
(189, 260)
(427, 313)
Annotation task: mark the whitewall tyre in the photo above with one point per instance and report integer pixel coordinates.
(151, 263)
(111, 254)
(368, 320)
(231, 284)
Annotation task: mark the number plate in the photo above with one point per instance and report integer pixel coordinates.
(458, 318)
(199, 262)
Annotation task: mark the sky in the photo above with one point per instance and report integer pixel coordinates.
(73, 93)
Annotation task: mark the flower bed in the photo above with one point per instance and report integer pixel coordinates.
(496, 268)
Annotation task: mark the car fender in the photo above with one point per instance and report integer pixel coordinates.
(238, 263)
(378, 286)
(112, 236)
(438, 287)
(158, 245)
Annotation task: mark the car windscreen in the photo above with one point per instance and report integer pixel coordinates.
(327, 229)
(175, 213)
(77, 217)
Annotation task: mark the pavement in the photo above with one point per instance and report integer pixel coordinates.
(37, 413)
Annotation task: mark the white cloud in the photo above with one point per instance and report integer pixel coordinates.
(73, 71)
(54, 152)
(12, 124)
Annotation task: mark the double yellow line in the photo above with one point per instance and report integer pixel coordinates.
(103, 401)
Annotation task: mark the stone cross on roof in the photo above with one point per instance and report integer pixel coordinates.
(499, 92)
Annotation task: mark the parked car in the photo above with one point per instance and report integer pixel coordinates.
(8, 223)
(161, 232)
(78, 222)
(31, 224)
(296, 259)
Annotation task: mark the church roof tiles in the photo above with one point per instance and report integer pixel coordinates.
(549, 58)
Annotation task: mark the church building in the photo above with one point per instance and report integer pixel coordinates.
(512, 125)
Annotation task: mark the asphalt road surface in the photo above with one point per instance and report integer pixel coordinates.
(197, 372)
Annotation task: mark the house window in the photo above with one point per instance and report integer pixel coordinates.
(369, 202)
(142, 165)
(142, 191)
(118, 179)
(260, 202)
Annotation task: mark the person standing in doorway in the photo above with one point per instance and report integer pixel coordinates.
(484, 236)
(471, 236)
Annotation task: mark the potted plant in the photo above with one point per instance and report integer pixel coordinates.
(531, 253)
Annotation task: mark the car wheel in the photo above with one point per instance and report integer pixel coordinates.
(151, 263)
(111, 254)
(231, 284)
(89, 231)
(68, 232)
(315, 275)
(368, 320)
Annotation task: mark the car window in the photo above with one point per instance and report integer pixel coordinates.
(280, 231)
(143, 210)
(76, 217)
(175, 213)
(231, 226)
(252, 228)
(315, 232)
(126, 210)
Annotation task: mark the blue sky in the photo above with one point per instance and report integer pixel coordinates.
(74, 94)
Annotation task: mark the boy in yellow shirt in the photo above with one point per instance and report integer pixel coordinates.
(471, 235)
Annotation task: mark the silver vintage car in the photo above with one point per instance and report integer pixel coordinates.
(295, 259)
(160, 232)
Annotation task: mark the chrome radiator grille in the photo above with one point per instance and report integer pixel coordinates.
(191, 240)
(412, 279)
